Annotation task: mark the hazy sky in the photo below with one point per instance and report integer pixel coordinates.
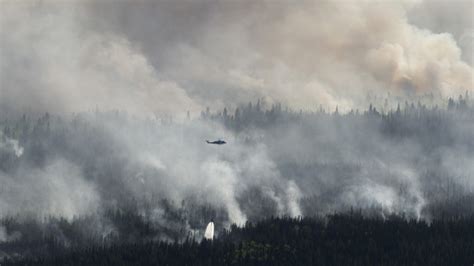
(171, 56)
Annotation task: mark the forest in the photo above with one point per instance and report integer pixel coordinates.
(340, 239)
(214, 132)
(372, 187)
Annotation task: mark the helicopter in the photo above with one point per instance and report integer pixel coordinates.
(216, 142)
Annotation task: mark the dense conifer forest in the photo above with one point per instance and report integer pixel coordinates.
(340, 239)
(84, 189)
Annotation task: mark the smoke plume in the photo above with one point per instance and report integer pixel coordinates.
(151, 57)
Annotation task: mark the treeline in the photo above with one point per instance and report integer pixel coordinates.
(258, 114)
(412, 161)
(339, 239)
(33, 236)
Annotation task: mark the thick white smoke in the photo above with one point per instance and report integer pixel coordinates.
(169, 57)
(49, 62)
(10, 145)
(58, 189)
(179, 164)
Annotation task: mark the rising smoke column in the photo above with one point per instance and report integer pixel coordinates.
(152, 57)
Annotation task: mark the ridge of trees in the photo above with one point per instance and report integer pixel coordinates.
(338, 239)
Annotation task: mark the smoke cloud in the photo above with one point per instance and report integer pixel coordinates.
(151, 57)
(57, 189)
(10, 145)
